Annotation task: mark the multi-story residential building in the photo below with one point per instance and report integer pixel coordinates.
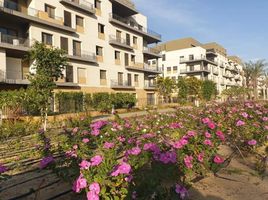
(189, 57)
(106, 42)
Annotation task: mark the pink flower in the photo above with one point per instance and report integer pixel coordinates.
(3, 169)
(180, 144)
(46, 161)
(217, 159)
(206, 120)
(200, 157)
(84, 164)
(252, 142)
(220, 135)
(123, 168)
(151, 147)
(121, 139)
(75, 130)
(79, 184)
(188, 161)
(96, 160)
(207, 135)
(208, 142)
(134, 151)
(191, 133)
(175, 125)
(91, 195)
(182, 191)
(108, 145)
(95, 187)
(211, 125)
(240, 123)
(244, 114)
(265, 119)
(95, 132)
(85, 140)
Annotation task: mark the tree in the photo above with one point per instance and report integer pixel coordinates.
(256, 70)
(194, 86)
(48, 64)
(183, 89)
(209, 89)
(165, 87)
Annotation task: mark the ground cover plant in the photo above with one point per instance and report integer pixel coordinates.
(158, 156)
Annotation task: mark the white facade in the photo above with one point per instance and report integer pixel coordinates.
(81, 28)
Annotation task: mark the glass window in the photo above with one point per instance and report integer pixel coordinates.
(101, 28)
(103, 74)
(117, 55)
(47, 38)
(99, 51)
(50, 10)
(79, 21)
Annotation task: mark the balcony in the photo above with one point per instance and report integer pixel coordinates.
(215, 71)
(198, 59)
(22, 13)
(149, 36)
(14, 43)
(196, 70)
(120, 42)
(149, 85)
(237, 78)
(151, 53)
(211, 52)
(81, 5)
(124, 7)
(4, 79)
(144, 67)
(83, 56)
(115, 84)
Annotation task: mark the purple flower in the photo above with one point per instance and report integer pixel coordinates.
(85, 140)
(108, 145)
(240, 123)
(3, 169)
(134, 151)
(188, 161)
(91, 195)
(244, 114)
(252, 142)
(123, 168)
(191, 133)
(205, 120)
(182, 191)
(218, 160)
(208, 142)
(96, 160)
(175, 125)
(95, 132)
(200, 157)
(211, 125)
(84, 164)
(79, 184)
(75, 130)
(46, 161)
(207, 135)
(180, 144)
(168, 157)
(151, 147)
(220, 135)
(265, 119)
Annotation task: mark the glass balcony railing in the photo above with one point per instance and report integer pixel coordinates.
(84, 54)
(14, 40)
(121, 84)
(134, 25)
(120, 41)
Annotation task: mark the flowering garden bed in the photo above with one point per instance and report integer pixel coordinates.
(158, 156)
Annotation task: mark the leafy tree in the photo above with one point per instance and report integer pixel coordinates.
(209, 89)
(165, 87)
(194, 86)
(183, 90)
(236, 92)
(48, 64)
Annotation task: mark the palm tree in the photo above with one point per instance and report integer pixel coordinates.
(256, 70)
(165, 87)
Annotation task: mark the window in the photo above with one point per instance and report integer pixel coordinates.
(98, 4)
(79, 21)
(117, 55)
(181, 58)
(164, 57)
(175, 69)
(128, 39)
(64, 44)
(76, 48)
(136, 79)
(81, 76)
(168, 70)
(135, 40)
(99, 51)
(133, 58)
(50, 10)
(67, 19)
(103, 74)
(192, 68)
(191, 57)
(120, 78)
(101, 28)
(69, 74)
(47, 38)
(129, 80)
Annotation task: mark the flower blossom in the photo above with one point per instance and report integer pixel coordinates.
(96, 160)
(188, 161)
(84, 164)
(200, 157)
(2, 169)
(108, 145)
(46, 161)
(182, 191)
(208, 142)
(252, 142)
(217, 159)
(168, 157)
(134, 151)
(79, 184)
(123, 168)
(85, 140)
(240, 123)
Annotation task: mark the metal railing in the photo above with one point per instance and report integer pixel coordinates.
(84, 54)
(30, 11)
(148, 84)
(2, 76)
(199, 69)
(116, 83)
(152, 68)
(197, 58)
(152, 50)
(119, 40)
(83, 3)
(133, 24)
(14, 40)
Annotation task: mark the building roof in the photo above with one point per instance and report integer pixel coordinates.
(216, 47)
(236, 59)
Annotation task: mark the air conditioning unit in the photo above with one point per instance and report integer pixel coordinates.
(16, 42)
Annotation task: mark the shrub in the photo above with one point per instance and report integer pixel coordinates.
(209, 89)
(101, 102)
(70, 102)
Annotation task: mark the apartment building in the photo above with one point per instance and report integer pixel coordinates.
(106, 42)
(189, 57)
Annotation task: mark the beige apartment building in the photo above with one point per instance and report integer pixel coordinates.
(106, 42)
(189, 57)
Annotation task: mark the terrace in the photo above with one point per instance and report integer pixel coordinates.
(81, 5)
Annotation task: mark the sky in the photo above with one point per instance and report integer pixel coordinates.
(241, 26)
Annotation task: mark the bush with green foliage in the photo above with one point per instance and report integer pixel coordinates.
(209, 89)
(70, 102)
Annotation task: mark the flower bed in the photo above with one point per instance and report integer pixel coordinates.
(158, 156)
